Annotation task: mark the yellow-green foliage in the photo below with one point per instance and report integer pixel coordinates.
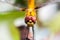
(54, 24)
(14, 31)
(10, 17)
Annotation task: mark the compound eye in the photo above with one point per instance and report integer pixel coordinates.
(34, 19)
(30, 19)
(27, 19)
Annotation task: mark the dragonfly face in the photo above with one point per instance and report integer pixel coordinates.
(30, 18)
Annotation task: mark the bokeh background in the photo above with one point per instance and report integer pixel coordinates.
(11, 17)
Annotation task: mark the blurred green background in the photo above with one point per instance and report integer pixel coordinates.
(11, 15)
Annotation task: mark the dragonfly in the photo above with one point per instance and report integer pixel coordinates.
(30, 15)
